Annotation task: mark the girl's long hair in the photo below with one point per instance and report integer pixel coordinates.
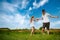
(31, 18)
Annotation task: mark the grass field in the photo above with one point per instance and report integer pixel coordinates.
(25, 35)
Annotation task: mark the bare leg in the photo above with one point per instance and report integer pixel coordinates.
(43, 29)
(48, 32)
(32, 31)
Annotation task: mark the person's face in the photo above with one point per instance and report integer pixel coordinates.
(43, 12)
(32, 18)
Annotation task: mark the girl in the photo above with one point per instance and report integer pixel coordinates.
(32, 25)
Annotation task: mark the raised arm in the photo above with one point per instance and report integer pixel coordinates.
(53, 16)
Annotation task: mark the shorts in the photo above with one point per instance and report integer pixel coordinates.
(47, 25)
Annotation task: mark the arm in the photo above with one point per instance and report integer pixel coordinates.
(39, 19)
(53, 16)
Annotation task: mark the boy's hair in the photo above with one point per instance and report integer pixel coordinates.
(43, 10)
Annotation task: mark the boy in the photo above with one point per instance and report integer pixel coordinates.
(46, 22)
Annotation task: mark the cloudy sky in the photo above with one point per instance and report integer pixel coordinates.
(16, 14)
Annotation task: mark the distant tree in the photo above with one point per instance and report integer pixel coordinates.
(40, 28)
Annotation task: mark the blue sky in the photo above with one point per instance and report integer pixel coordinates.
(16, 14)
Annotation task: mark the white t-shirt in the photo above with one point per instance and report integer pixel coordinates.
(45, 18)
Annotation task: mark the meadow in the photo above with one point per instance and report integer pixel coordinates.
(25, 35)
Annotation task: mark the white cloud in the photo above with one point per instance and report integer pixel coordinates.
(55, 24)
(24, 4)
(30, 8)
(19, 18)
(14, 21)
(37, 5)
(21, 4)
(8, 6)
(41, 3)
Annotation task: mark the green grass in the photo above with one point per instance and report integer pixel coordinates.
(9, 35)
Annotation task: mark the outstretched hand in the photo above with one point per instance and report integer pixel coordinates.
(37, 19)
(57, 16)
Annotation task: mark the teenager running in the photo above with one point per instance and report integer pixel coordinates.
(46, 22)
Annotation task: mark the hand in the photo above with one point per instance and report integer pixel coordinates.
(37, 19)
